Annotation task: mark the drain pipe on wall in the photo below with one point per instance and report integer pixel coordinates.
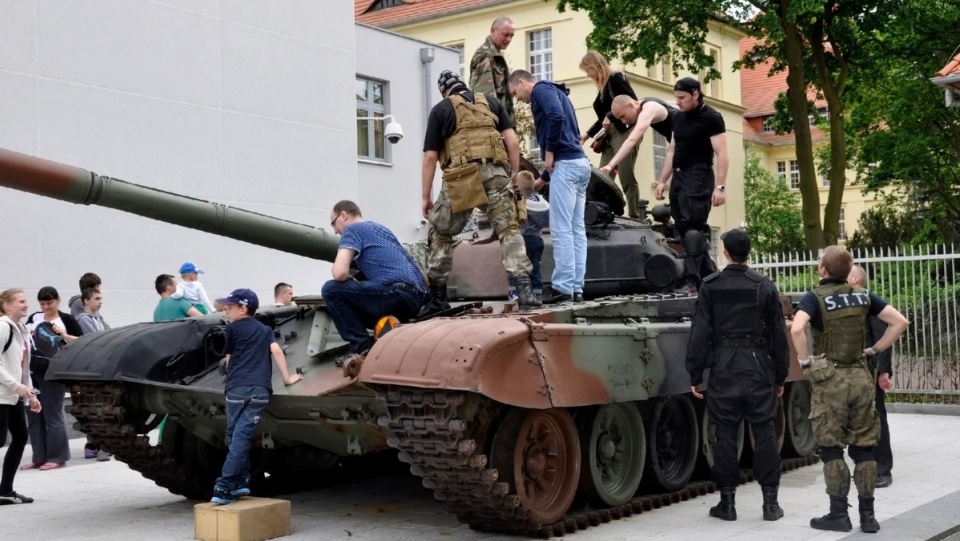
(427, 55)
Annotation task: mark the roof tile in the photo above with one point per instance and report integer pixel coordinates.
(410, 11)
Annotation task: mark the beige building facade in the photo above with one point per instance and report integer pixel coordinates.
(550, 45)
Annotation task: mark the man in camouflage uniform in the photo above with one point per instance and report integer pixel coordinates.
(488, 67)
(462, 129)
(842, 374)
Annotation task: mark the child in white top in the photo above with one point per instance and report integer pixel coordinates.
(191, 290)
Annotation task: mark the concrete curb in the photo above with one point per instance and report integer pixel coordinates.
(924, 409)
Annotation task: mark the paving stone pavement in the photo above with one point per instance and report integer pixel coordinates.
(107, 501)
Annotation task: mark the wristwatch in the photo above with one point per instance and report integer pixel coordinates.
(722, 188)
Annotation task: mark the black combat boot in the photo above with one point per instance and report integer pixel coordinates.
(726, 509)
(868, 522)
(437, 302)
(837, 520)
(525, 297)
(771, 509)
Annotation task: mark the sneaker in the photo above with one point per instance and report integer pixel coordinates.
(103, 456)
(884, 480)
(222, 497)
(89, 452)
(13, 497)
(577, 296)
(241, 491)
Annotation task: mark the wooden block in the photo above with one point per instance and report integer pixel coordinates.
(250, 519)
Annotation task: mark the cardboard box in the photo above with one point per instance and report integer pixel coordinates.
(250, 519)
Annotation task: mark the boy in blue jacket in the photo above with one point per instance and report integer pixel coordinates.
(249, 345)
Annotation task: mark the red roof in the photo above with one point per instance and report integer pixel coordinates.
(951, 69)
(411, 10)
(758, 92)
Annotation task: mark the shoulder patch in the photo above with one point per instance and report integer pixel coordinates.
(712, 277)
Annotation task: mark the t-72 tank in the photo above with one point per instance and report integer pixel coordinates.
(536, 422)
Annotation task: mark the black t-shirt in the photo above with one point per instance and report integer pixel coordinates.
(248, 344)
(809, 304)
(443, 120)
(692, 132)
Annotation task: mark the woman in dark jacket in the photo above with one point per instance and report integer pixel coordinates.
(611, 84)
(48, 430)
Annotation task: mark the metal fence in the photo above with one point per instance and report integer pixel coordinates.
(921, 282)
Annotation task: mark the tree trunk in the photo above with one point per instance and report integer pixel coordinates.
(797, 96)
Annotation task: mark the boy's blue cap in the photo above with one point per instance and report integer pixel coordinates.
(189, 267)
(243, 297)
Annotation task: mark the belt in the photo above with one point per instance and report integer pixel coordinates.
(740, 342)
(695, 167)
(408, 287)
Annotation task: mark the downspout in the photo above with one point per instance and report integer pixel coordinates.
(427, 54)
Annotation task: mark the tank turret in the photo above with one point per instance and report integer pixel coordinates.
(76, 185)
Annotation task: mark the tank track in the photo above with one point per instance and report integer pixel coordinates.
(430, 437)
(101, 411)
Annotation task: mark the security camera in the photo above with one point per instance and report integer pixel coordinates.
(393, 132)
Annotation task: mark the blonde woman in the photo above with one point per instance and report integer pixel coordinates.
(611, 84)
(15, 387)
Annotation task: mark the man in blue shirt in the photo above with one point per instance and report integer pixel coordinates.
(558, 136)
(392, 284)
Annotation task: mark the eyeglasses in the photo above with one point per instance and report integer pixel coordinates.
(333, 223)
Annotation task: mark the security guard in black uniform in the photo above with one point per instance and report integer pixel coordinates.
(739, 323)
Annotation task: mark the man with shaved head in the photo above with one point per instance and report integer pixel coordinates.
(488, 68)
(642, 114)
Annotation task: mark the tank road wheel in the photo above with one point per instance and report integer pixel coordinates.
(613, 444)
(800, 437)
(538, 453)
(672, 441)
(200, 461)
(778, 427)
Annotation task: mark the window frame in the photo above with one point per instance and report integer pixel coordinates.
(536, 58)
(658, 161)
(373, 128)
(794, 174)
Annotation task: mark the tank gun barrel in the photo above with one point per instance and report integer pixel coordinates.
(75, 185)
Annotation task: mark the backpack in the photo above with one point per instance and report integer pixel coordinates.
(47, 343)
(9, 338)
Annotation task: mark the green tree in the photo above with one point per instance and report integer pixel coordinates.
(902, 135)
(773, 210)
(815, 42)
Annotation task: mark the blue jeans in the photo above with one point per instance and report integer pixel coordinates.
(534, 245)
(355, 306)
(568, 195)
(245, 406)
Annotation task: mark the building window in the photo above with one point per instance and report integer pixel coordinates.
(794, 175)
(459, 48)
(384, 4)
(825, 176)
(782, 171)
(842, 233)
(665, 74)
(659, 154)
(371, 101)
(821, 112)
(768, 124)
(540, 46)
(715, 83)
(650, 71)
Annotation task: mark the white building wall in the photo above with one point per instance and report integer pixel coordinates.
(244, 102)
(390, 193)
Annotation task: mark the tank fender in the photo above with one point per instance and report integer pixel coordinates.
(492, 356)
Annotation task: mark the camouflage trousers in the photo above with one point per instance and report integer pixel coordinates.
(843, 413)
(502, 212)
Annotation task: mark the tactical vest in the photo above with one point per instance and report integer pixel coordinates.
(844, 311)
(737, 302)
(476, 137)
